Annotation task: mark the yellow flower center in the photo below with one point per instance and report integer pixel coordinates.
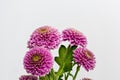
(88, 54)
(43, 30)
(36, 58)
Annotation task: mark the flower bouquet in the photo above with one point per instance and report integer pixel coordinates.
(38, 60)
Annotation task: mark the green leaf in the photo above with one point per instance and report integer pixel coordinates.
(65, 58)
(58, 60)
(62, 51)
(73, 47)
(68, 67)
(69, 58)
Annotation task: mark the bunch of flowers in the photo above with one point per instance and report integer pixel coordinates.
(38, 60)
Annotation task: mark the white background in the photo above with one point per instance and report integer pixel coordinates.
(99, 20)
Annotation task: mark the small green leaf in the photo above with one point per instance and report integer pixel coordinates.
(58, 61)
(73, 47)
(68, 67)
(62, 51)
(69, 58)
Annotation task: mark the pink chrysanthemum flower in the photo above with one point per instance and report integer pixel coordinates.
(38, 61)
(45, 36)
(86, 79)
(74, 36)
(28, 77)
(84, 57)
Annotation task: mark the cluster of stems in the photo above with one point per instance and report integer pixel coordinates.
(56, 75)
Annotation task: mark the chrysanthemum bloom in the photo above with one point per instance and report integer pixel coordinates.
(86, 79)
(74, 37)
(45, 36)
(85, 58)
(28, 77)
(38, 61)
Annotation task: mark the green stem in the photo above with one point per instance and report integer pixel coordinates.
(77, 70)
(69, 72)
(38, 77)
(67, 75)
(52, 75)
(60, 71)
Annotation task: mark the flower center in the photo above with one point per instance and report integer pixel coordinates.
(36, 58)
(88, 54)
(43, 30)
